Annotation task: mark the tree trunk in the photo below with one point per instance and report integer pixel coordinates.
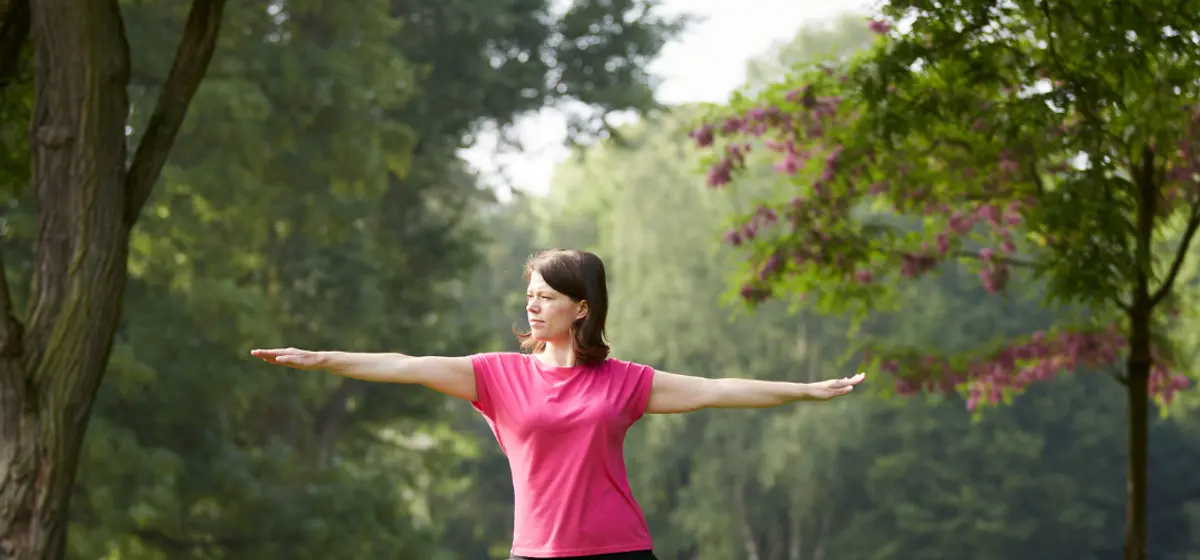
(1138, 365)
(796, 538)
(87, 203)
(1135, 487)
(823, 535)
(1137, 379)
(748, 539)
(81, 66)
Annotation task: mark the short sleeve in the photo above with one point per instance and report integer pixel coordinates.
(486, 367)
(639, 381)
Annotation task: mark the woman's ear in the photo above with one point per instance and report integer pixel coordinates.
(582, 312)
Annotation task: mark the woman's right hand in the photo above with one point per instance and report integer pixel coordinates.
(291, 357)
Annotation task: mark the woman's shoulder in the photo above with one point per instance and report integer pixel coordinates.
(617, 364)
(499, 357)
(502, 354)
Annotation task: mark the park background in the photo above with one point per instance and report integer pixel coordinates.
(340, 183)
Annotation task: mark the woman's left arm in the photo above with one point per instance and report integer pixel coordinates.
(674, 393)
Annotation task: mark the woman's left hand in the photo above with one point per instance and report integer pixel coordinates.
(825, 390)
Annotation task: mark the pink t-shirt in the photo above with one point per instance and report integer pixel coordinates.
(563, 430)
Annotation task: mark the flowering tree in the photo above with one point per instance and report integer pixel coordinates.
(1061, 138)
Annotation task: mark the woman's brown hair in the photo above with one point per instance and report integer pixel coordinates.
(578, 275)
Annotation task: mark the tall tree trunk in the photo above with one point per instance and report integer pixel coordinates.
(1138, 376)
(823, 535)
(1138, 365)
(748, 539)
(1141, 361)
(87, 204)
(796, 533)
(81, 67)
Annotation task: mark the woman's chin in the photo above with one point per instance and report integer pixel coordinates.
(541, 335)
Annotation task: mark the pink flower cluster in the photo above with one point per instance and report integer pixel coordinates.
(799, 132)
(761, 218)
(757, 122)
(1015, 366)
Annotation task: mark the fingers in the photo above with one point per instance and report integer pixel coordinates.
(281, 356)
(843, 386)
(847, 381)
(272, 352)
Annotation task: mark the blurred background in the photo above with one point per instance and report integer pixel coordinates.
(371, 176)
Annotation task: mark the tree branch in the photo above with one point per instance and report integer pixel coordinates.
(192, 58)
(1011, 261)
(1037, 178)
(1121, 304)
(1050, 46)
(13, 34)
(1181, 254)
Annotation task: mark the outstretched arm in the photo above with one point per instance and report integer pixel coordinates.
(450, 376)
(673, 393)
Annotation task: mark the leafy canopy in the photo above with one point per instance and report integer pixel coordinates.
(1025, 140)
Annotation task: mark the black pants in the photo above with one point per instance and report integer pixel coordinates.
(637, 555)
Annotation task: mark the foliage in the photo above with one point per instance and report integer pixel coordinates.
(1036, 135)
(969, 138)
(360, 230)
(860, 478)
(314, 199)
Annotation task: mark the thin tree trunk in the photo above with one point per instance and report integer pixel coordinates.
(796, 537)
(748, 540)
(1135, 519)
(87, 203)
(823, 536)
(1139, 363)
(808, 353)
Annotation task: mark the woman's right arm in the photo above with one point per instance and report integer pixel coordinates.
(454, 376)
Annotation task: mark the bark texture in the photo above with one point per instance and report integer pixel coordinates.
(87, 202)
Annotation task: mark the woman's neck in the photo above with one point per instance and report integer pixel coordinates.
(558, 355)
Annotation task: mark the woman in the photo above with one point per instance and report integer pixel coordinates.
(560, 411)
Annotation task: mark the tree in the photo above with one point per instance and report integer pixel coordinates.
(807, 488)
(88, 199)
(310, 200)
(1047, 142)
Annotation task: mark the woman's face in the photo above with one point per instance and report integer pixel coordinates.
(550, 313)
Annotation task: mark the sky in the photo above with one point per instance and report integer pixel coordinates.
(706, 63)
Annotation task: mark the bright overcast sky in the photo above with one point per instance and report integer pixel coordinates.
(706, 64)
